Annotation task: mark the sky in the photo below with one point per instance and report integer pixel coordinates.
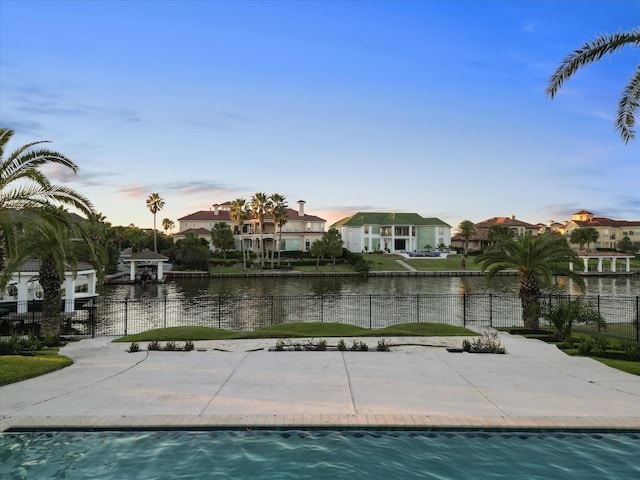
(435, 107)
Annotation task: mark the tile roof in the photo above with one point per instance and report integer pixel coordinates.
(224, 216)
(606, 222)
(506, 221)
(385, 218)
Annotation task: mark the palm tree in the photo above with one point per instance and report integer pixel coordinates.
(59, 242)
(537, 260)
(260, 205)
(239, 214)
(167, 225)
(593, 51)
(333, 245)
(466, 229)
(317, 250)
(155, 203)
(279, 213)
(23, 187)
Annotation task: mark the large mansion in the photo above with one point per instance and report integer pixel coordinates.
(611, 231)
(298, 233)
(480, 240)
(392, 232)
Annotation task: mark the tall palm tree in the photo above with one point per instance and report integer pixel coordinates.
(537, 260)
(593, 51)
(167, 225)
(239, 213)
(155, 203)
(260, 205)
(23, 187)
(279, 213)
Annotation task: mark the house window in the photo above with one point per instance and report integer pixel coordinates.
(307, 245)
(440, 230)
(366, 229)
(402, 231)
(385, 231)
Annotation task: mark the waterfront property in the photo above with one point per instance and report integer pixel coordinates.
(298, 233)
(392, 232)
(480, 241)
(609, 231)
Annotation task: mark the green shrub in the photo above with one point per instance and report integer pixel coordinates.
(134, 347)
(153, 345)
(189, 346)
(383, 345)
(632, 350)
(342, 346)
(601, 345)
(170, 346)
(587, 346)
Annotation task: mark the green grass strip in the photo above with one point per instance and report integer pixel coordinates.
(15, 368)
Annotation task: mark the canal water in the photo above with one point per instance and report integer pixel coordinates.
(352, 285)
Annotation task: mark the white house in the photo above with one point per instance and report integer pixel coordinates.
(392, 232)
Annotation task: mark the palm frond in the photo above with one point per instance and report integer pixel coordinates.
(627, 107)
(590, 52)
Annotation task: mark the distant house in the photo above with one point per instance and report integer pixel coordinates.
(392, 232)
(610, 231)
(300, 231)
(480, 241)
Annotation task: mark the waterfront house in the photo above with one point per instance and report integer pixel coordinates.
(298, 233)
(610, 231)
(480, 241)
(392, 232)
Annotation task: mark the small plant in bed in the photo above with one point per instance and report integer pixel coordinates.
(489, 342)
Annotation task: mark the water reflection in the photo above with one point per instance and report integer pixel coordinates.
(299, 286)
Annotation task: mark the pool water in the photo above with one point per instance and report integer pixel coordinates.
(319, 454)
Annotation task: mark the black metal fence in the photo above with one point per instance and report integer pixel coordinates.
(105, 317)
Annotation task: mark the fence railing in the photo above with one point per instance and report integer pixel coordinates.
(108, 317)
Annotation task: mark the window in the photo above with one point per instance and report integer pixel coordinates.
(385, 231)
(307, 245)
(366, 229)
(402, 231)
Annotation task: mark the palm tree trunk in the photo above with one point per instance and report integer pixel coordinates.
(530, 297)
(51, 299)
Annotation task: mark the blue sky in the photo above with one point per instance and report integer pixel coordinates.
(434, 107)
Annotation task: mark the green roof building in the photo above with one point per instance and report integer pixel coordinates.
(392, 232)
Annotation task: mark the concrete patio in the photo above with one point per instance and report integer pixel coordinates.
(242, 383)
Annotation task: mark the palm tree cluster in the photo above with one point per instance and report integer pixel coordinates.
(155, 203)
(35, 224)
(258, 209)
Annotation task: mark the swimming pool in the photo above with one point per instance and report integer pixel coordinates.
(319, 454)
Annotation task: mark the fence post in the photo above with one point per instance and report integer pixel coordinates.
(418, 307)
(464, 309)
(219, 311)
(165, 311)
(491, 310)
(126, 311)
(637, 319)
(272, 300)
(370, 310)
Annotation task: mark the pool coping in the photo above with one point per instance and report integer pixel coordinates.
(297, 421)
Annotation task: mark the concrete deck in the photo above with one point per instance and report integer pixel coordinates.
(533, 386)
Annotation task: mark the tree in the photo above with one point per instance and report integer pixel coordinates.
(279, 213)
(239, 213)
(566, 313)
(155, 203)
(25, 188)
(626, 245)
(260, 205)
(192, 252)
(580, 236)
(593, 51)
(317, 250)
(59, 242)
(537, 260)
(167, 225)
(222, 238)
(466, 229)
(497, 231)
(332, 245)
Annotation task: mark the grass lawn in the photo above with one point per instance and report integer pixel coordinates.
(15, 368)
(298, 330)
(452, 262)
